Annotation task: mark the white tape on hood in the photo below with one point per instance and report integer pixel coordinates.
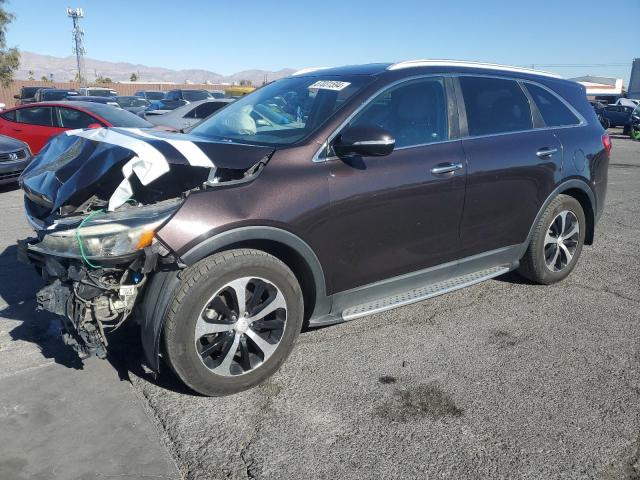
(188, 149)
(148, 164)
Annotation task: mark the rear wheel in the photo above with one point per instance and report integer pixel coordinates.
(233, 321)
(557, 242)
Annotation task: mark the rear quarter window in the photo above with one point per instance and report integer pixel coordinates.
(554, 112)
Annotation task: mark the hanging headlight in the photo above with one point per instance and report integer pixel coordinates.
(103, 235)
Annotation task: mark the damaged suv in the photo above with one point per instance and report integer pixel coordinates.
(320, 198)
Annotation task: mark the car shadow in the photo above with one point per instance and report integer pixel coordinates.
(18, 286)
(9, 187)
(514, 278)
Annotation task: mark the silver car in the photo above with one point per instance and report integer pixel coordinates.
(188, 115)
(14, 157)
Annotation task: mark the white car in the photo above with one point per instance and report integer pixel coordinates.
(187, 115)
(628, 102)
(97, 92)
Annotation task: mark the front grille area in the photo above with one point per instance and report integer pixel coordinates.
(10, 175)
(13, 156)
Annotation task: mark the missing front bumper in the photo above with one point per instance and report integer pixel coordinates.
(92, 302)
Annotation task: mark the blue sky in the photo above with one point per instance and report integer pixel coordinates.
(226, 37)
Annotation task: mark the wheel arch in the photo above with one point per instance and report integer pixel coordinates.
(583, 193)
(287, 247)
(586, 203)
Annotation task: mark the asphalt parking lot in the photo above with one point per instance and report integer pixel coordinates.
(501, 380)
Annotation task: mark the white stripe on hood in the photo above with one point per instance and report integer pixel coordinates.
(188, 149)
(148, 163)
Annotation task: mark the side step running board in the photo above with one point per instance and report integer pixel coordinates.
(422, 293)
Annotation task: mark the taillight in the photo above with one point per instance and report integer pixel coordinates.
(606, 142)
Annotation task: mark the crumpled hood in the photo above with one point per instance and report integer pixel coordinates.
(114, 164)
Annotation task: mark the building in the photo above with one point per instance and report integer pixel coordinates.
(634, 81)
(604, 89)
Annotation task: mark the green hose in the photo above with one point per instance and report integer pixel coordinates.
(82, 254)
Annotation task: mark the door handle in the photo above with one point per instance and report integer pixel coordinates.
(546, 152)
(443, 168)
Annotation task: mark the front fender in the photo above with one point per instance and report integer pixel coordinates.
(162, 287)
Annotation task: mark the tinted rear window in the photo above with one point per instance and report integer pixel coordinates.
(495, 105)
(57, 94)
(553, 111)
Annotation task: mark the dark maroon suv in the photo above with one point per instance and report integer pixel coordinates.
(317, 199)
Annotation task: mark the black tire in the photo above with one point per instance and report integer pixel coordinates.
(199, 283)
(533, 264)
(626, 130)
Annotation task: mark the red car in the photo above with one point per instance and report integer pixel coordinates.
(36, 123)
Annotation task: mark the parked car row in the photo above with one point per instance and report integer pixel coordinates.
(36, 123)
(615, 115)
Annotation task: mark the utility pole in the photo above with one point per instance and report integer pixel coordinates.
(78, 41)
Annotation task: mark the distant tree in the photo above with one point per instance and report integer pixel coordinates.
(30, 77)
(44, 78)
(133, 77)
(102, 79)
(245, 83)
(9, 57)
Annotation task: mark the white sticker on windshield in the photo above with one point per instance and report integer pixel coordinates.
(329, 85)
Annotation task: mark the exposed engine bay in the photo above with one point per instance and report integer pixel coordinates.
(95, 199)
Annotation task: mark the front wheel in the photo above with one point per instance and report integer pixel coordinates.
(556, 243)
(233, 321)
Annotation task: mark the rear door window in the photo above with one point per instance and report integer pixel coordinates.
(554, 112)
(495, 105)
(35, 116)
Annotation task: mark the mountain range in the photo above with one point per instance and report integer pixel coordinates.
(64, 69)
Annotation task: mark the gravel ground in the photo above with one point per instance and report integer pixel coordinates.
(501, 380)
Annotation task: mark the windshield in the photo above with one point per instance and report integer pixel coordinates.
(283, 112)
(132, 102)
(195, 95)
(118, 117)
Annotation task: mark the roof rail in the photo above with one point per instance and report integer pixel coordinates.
(308, 70)
(462, 63)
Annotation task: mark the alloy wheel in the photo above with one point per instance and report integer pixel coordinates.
(241, 326)
(561, 241)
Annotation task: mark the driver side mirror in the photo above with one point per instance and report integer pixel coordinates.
(366, 140)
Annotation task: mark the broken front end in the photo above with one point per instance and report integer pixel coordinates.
(95, 267)
(96, 199)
